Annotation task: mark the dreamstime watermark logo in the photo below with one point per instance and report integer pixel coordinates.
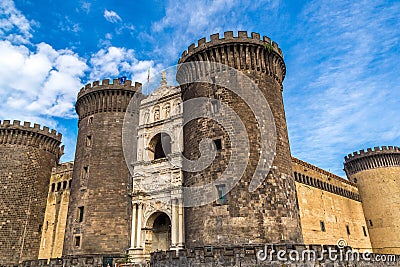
(213, 75)
(339, 253)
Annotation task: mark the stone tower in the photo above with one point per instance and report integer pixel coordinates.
(377, 175)
(100, 199)
(270, 213)
(55, 218)
(27, 155)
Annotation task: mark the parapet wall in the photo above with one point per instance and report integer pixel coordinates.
(241, 255)
(105, 84)
(215, 39)
(16, 133)
(105, 97)
(379, 157)
(242, 52)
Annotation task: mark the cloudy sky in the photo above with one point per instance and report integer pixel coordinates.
(341, 91)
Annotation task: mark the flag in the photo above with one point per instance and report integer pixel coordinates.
(148, 75)
(122, 79)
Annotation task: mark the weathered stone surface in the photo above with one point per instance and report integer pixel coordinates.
(27, 155)
(325, 198)
(376, 174)
(270, 213)
(55, 219)
(101, 180)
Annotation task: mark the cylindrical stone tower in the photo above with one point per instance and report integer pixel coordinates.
(98, 220)
(27, 156)
(270, 213)
(377, 175)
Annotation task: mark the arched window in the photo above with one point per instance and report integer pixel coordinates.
(159, 146)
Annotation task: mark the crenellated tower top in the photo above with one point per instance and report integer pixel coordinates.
(379, 157)
(243, 52)
(17, 133)
(242, 37)
(99, 97)
(105, 84)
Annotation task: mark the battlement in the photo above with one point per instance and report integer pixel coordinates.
(101, 97)
(379, 157)
(105, 84)
(322, 171)
(27, 126)
(371, 152)
(63, 167)
(242, 37)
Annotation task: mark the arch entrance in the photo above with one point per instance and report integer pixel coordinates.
(160, 225)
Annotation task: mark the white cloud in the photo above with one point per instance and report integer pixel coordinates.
(39, 83)
(114, 62)
(86, 7)
(14, 26)
(189, 21)
(345, 73)
(112, 16)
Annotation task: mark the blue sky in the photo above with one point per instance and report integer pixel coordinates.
(341, 91)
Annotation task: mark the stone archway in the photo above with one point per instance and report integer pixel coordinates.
(159, 146)
(160, 236)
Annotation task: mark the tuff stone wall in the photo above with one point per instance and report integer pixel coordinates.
(27, 156)
(100, 204)
(332, 201)
(376, 173)
(270, 213)
(55, 218)
(246, 256)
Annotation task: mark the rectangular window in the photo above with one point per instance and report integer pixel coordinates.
(53, 187)
(85, 172)
(77, 241)
(218, 144)
(89, 140)
(221, 189)
(214, 106)
(348, 229)
(80, 214)
(322, 224)
(370, 223)
(365, 231)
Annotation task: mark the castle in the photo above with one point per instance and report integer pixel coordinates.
(134, 190)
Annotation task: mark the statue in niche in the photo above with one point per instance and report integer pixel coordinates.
(167, 111)
(156, 115)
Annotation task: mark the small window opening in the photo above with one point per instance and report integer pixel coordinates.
(89, 140)
(65, 185)
(322, 224)
(58, 186)
(69, 183)
(364, 231)
(53, 187)
(370, 223)
(348, 229)
(214, 106)
(218, 144)
(80, 214)
(90, 120)
(221, 189)
(85, 172)
(77, 241)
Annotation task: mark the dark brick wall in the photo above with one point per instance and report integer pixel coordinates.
(269, 214)
(27, 156)
(101, 180)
